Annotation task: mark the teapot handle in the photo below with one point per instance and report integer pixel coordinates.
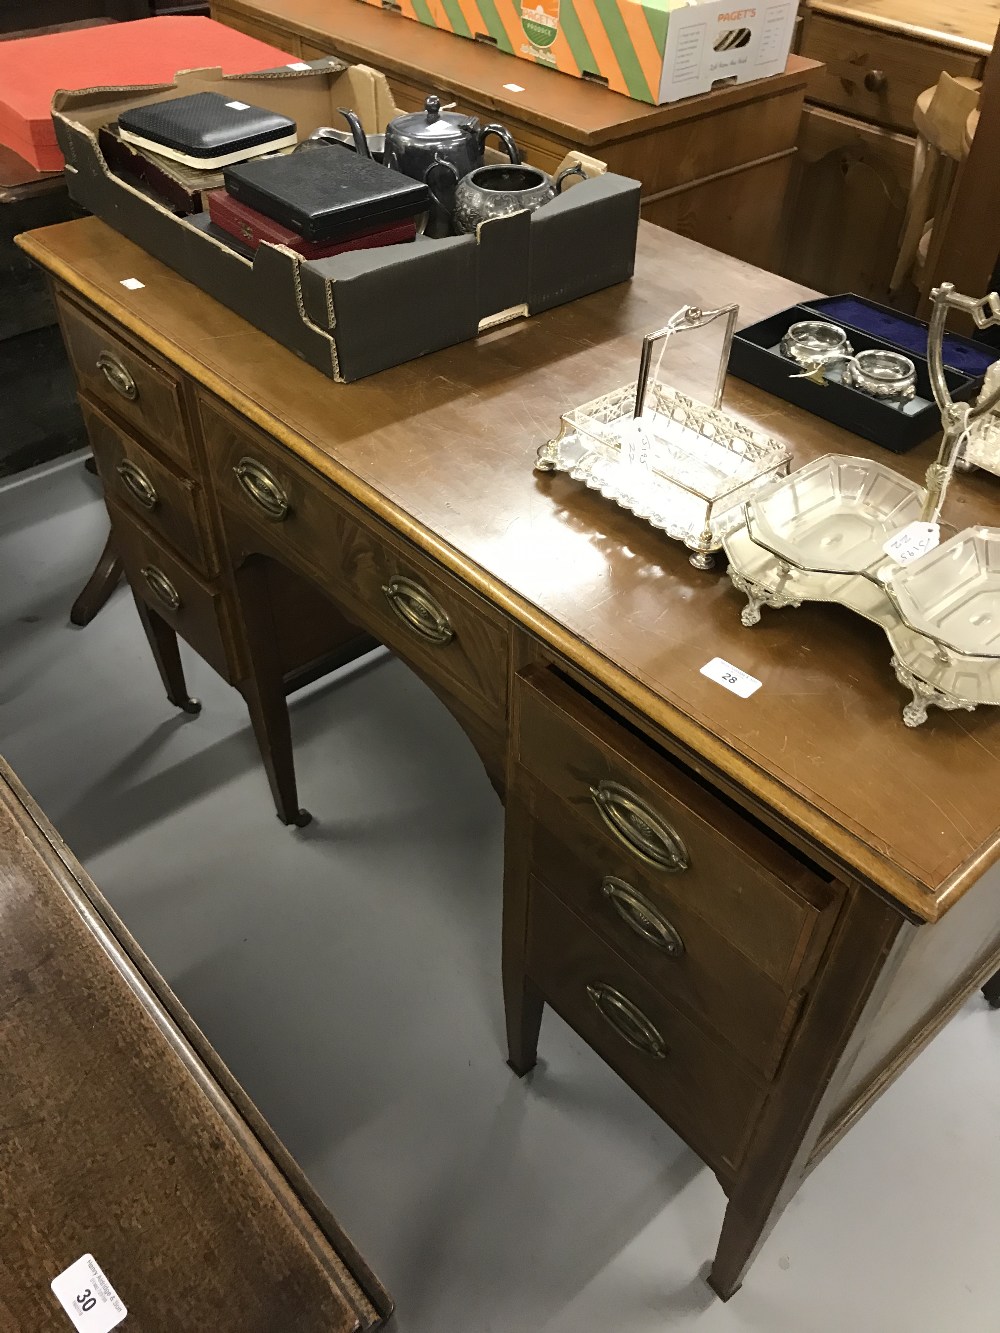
(564, 175)
(448, 166)
(358, 134)
(504, 135)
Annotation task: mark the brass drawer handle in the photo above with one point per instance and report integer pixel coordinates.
(640, 915)
(418, 610)
(161, 587)
(117, 375)
(628, 1020)
(263, 488)
(639, 828)
(138, 485)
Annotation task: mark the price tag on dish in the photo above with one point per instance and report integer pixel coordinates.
(88, 1297)
(911, 542)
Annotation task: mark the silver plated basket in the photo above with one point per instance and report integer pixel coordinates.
(683, 466)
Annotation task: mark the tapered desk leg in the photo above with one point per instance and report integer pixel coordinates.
(523, 1006)
(99, 586)
(744, 1231)
(992, 991)
(166, 655)
(264, 692)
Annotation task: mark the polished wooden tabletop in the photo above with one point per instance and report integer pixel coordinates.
(965, 25)
(554, 101)
(445, 446)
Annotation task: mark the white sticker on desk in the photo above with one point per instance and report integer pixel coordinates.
(513, 87)
(88, 1297)
(133, 284)
(731, 677)
(911, 542)
(238, 106)
(299, 64)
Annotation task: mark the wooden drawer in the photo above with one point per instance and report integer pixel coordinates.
(127, 381)
(673, 949)
(151, 489)
(738, 879)
(876, 75)
(192, 608)
(691, 1083)
(442, 628)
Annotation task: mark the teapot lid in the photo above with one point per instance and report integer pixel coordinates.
(432, 125)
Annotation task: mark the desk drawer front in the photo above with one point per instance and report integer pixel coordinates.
(668, 944)
(743, 884)
(391, 589)
(119, 377)
(172, 590)
(156, 492)
(683, 1075)
(877, 76)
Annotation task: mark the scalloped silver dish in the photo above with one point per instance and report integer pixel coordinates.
(952, 594)
(835, 514)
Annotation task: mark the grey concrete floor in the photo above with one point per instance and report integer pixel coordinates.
(349, 975)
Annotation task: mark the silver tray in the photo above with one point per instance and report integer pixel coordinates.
(952, 594)
(835, 514)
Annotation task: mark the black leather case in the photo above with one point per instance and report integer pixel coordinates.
(206, 124)
(325, 192)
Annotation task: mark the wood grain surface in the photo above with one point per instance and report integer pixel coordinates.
(966, 25)
(443, 449)
(119, 1140)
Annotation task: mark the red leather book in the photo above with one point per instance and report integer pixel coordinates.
(146, 51)
(251, 228)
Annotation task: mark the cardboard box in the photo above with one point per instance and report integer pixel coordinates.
(651, 50)
(364, 310)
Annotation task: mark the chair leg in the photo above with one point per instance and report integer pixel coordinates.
(163, 645)
(992, 991)
(99, 587)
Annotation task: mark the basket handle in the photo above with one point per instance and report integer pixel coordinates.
(688, 317)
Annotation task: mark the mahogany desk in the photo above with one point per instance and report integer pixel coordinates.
(757, 911)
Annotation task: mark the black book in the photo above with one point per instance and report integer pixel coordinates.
(206, 130)
(324, 193)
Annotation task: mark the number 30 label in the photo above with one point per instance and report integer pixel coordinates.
(724, 673)
(88, 1297)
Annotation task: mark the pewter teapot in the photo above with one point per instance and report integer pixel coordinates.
(418, 143)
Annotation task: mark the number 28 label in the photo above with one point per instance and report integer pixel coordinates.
(88, 1297)
(734, 679)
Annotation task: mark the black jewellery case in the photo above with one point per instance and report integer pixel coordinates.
(755, 357)
(206, 129)
(325, 193)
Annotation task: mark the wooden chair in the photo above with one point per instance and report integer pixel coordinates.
(942, 117)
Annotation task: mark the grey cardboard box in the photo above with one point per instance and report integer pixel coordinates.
(364, 310)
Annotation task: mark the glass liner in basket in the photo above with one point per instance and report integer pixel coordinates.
(683, 466)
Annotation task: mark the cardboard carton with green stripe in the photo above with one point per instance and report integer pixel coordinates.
(653, 50)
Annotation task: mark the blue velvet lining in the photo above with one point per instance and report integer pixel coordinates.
(972, 358)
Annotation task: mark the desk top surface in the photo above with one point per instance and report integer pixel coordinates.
(966, 25)
(444, 449)
(560, 103)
